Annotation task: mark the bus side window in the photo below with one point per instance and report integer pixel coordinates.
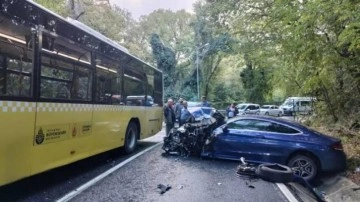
(108, 81)
(66, 72)
(63, 80)
(15, 69)
(103, 87)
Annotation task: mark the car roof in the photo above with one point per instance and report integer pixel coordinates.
(247, 104)
(274, 119)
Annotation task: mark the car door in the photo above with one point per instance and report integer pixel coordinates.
(251, 109)
(241, 138)
(279, 141)
(271, 111)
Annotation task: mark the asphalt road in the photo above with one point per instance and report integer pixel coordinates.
(191, 179)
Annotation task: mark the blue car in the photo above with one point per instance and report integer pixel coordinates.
(273, 140)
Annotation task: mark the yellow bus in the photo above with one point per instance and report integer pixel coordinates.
(67, 92)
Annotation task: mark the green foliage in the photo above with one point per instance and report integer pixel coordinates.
(165, 59)
(58, 7)
(308, 47)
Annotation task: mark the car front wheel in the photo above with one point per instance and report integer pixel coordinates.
(303, 166)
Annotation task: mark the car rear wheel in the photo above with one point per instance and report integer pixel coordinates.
(131, 138)
(303, 166)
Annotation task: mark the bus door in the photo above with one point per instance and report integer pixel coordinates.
(109, 127)
(63, 127)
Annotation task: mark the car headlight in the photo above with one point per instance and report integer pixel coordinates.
(217, 132)
(182, 129)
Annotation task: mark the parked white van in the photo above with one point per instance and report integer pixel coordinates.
(303, 105)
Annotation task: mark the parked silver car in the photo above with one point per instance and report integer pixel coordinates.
(248, 108)
(271, 110)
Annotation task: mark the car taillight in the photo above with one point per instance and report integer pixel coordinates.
(337, 146)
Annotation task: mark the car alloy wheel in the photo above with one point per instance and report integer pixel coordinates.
(303, 166)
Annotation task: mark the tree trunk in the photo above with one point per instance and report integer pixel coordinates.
(328, 102)
(76, 8)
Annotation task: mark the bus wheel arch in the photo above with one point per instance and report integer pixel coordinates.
(132, 135)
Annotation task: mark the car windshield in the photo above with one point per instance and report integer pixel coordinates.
(288, 102)
(200, 112)
(241, 106)
(194, 104)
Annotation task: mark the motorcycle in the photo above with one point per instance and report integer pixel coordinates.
(189, 138)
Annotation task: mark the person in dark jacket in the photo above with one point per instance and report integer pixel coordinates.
(169, 115)
(204, 102)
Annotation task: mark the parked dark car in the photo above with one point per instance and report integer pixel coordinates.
(273, 140)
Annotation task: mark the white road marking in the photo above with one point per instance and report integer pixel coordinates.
(287, 193)
(83, 187)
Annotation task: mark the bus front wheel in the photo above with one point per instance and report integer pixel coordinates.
(131, 138)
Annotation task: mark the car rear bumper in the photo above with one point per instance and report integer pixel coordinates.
(333, 161)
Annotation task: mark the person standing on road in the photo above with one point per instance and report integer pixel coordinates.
(204, 102)
(232, 111)
(169, 115)
(178, 108)
(185, 114)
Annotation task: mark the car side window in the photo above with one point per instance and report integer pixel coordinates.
(263, 126)
(239, 124)
(250, 124)
(278, 128)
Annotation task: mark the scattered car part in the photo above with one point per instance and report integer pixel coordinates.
(274, 172)
(163, 188)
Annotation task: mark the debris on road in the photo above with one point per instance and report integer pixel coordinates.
(180, 186)
(248, 183)
(219, 183)
(163, 188)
